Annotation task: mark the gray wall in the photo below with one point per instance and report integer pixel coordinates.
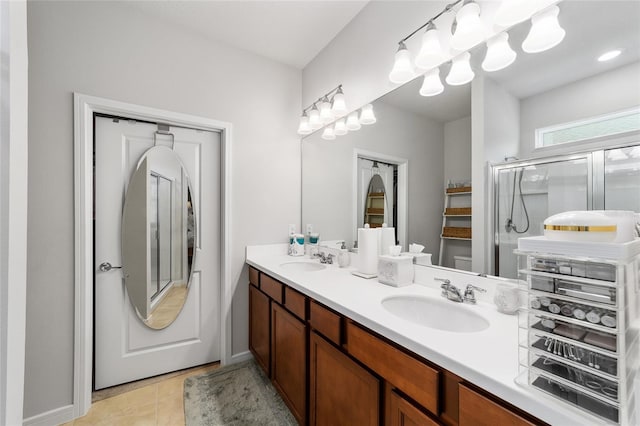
(113, 51)
(608, 92)
(457, 168)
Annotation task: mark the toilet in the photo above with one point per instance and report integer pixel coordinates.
(462, 262)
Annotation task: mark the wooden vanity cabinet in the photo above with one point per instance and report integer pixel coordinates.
(477, 409)
(259, 327)
(289, 360)
(342, 392)
(400, 412)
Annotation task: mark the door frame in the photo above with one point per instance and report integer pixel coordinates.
(83, 133)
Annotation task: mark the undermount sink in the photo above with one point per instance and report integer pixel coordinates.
(303, 266)
(435, 313)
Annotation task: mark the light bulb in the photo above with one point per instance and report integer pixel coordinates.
(328, 133)
(432, 86)
(340, 128)
(304, 128)
(431, 54)
(326, 115)
(338, 104)
(460, 72)
(499, 53)
(366, 115)
(469, 28)
(545, 32)
(402, 70)
(511, 12)
(353, 123)
(315, 122)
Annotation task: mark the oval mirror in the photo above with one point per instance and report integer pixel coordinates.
(374, 207)
(158, 237)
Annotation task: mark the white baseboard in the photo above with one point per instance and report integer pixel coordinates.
(242, 356)
(53, 417)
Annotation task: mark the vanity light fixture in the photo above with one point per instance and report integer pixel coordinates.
(545, 32)
(460, 72)
(607, 56)
(304, 128)
(402, 70)
(469, 31)
(366, 115)
(328, 133)
(340, 128)
(432, 85)
(431, 54)
(499, 53)
(325, 110)
(353, 122)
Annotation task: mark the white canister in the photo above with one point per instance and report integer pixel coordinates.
(507, 298)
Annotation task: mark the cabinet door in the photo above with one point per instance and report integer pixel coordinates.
(289, 360)
(478, 410)
(401, 412)
(259, 321)
(342, 392)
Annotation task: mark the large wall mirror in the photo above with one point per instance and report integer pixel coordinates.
(429, 139)
(158, 237)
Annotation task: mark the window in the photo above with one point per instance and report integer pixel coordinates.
(594, 127)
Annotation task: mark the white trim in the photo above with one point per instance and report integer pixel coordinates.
(84, 108)
(13, 208)
(242, 356)
(540, 132)
(403, 191)
(53, 417)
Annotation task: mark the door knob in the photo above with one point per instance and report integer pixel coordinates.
(106, 267)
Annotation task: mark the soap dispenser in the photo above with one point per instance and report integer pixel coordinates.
(344, 259)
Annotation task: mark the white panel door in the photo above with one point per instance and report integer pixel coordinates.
(125, 349)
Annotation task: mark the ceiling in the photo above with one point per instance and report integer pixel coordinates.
(291, 32)
(592, 28)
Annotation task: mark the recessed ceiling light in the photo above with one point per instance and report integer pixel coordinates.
(609, 55)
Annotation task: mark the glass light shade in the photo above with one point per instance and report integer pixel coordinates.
(315, 122)
(460, 72)
(328, 133)
(545, 32)
(326, 115)
(432, 85)
(431, 54)
(469, 28)
(366, 115)
(340, 127)
(353, 122)
(499, 53)
(402, 70)
(511, 12)
(339, 106)
(304, 128)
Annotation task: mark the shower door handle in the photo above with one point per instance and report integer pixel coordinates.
(106, 267)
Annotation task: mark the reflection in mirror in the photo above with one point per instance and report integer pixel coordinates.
(158, 229)
(434, 134)
(379, 206)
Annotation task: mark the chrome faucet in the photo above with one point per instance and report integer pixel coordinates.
(328, 258)
(449, 290)
(469, 295)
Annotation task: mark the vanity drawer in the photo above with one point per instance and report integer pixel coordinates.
(271, 288)
(478, 410)
(254, 277)
(295, 302)
(326, 322)
(410, 375)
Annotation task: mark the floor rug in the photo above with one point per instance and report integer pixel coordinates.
(235, 395)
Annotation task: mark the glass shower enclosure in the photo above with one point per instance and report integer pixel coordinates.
(525, 193)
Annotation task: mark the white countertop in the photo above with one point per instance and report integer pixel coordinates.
(488, 359)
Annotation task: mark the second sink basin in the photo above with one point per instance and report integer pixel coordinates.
(303, 266)
(435, 313)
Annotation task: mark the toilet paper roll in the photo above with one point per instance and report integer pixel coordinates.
(387, 239)
(368, 250)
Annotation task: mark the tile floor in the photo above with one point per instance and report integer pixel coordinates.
(156, 401)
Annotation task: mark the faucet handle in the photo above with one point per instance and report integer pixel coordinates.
(445, 282)
(469, 295)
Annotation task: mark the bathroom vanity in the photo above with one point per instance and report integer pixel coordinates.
(338, 353)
